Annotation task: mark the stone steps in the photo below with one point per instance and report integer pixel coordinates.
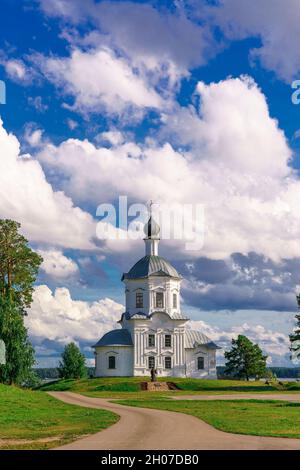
(156, 386)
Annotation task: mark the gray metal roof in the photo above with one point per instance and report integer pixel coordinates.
(120, 337)
(179, 316)
(139, 315)
(193, 338)
(151, 265)
(143, 316)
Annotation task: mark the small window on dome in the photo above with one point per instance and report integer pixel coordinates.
(159, 300)
(139, 300)
(174, 300)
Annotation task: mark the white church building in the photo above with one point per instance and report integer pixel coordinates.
(154, 332)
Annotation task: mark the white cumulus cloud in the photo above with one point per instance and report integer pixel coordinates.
(46, 216)
(235, 163)
(57, 265)
(56, 317)
(98, 79)
(275, 23)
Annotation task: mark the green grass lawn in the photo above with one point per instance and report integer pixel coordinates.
(33, 416)
(116, 387)
(256, 417)
(107, 384)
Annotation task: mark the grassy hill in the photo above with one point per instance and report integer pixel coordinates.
(34, 420)
(115, 387)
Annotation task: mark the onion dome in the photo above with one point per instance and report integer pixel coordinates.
(151, 229)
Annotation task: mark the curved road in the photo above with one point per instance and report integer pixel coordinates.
(146, 429)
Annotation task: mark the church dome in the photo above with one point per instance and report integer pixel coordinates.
(151, 265)
(120, 337)
(151, 228)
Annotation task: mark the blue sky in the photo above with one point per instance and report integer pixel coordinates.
(179, 102)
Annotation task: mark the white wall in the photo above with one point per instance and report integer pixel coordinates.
(124, 361)
(160, 324)
(209, 370)
(149, 287)
(134, 360)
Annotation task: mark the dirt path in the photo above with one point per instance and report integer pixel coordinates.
(142, 428)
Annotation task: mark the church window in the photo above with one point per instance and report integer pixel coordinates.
(167, 341)
(168, 362)
(151, 362)
(151, 341)
(111, 362)
(139, 300)
(200, 362)
(159, 300)
(174, 300)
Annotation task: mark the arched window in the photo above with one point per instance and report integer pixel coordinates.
(139, 300)
(200, 361)
(174, 300)
(111, 362)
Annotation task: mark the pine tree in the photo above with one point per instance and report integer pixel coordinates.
(295, 336)
(245, 359)
(18, 270)
(72, 365)
(19, 265)
(19, 351)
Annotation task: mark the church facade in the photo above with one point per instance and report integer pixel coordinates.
(154, 332)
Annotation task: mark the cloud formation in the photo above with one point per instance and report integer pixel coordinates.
(241, 282)
(55, 319)
(235, 162)
(100, 80)
(132, 58)
(58, 266)
(166, 42)
(47, 216)
(273, 343)
(275, 23)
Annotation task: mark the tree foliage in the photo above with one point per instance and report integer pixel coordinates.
(19, 351)
(245, 359)
(72, 365)
(295, 336)
(19, 265)
(18, 270)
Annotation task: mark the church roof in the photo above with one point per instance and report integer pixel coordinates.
(151, 265)
(120, 337)
(193, 338)
(142, 316)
